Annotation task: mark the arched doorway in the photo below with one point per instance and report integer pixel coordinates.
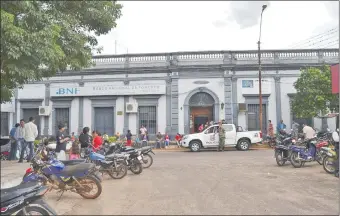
(201, 107)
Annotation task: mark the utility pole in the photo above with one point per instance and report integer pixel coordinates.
(260, 72)
(115, 47)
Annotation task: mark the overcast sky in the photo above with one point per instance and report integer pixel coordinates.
(165, 26)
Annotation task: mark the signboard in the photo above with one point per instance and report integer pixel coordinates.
(142, 89)
(247, 83)
(251, 86)
(335, 78)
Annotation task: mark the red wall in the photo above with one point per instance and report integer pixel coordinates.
(335, 78)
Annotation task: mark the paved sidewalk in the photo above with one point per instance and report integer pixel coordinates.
(12, 173)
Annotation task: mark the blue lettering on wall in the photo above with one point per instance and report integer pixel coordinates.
(67, 91)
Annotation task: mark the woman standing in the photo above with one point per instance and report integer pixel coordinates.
(128, 138)
(270, 129)
(97, 140)
(85, 140)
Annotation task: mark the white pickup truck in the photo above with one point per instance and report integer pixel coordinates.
(208, 138)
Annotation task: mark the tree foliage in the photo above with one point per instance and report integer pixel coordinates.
(314, 93)
(41, 38)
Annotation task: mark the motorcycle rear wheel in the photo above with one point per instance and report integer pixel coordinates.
(85, 184)
(34, 209)
(329, 169)
(118, 172)
(295, 161)
(279, 160)
(136, 167)
(147, 161)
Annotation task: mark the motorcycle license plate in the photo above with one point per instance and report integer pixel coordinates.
(139, 157)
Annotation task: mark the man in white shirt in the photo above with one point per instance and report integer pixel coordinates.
(308, 131)
(143, 132)
(31, 132)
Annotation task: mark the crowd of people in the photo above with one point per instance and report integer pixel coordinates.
(22, 136)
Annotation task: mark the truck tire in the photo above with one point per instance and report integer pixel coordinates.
(195, 146)
(243, 145)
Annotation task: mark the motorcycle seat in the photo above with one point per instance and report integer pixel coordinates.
(302, 147)
(116, 155)
(146, 148)
(19, 190)
(72, 162)
(281, 147)
(76, 169)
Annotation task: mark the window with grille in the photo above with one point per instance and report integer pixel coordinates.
(4, 124)
(148, 118)
(62, 118)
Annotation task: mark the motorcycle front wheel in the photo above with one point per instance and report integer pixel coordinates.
(295, 161)
(34, 210)
(328, 164)
(136, 167)
(279, 156)
(87, 186)
(147, 161)
(319, 158)
(118, 172)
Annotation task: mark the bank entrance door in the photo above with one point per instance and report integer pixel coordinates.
(201, 110)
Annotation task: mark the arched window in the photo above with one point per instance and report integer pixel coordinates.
(201, 99)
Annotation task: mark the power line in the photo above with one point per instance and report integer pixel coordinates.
(317, 42)
(308, 40)
(321, 41)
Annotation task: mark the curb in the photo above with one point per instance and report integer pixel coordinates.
(186, 149)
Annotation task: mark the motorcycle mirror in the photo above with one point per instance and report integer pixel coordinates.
(337, 129)
(328, 130)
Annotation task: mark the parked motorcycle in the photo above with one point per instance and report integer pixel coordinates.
(25, 199)
(133, 158)
(283, 150)
(114, 166)
(329, 159)
(144, 153)
(331, 155)
(79, 178)
(301, 154)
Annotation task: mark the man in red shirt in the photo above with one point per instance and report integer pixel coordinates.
(178, 138)
(97, 140)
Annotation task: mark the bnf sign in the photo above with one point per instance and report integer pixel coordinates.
(67, 91)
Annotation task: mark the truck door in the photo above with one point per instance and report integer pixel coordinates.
(211, 136)
(230, 134)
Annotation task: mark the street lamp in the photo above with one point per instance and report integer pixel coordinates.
(260, 75)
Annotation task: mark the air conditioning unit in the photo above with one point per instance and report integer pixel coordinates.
(44, 110)
(242, 107)
(131, 107)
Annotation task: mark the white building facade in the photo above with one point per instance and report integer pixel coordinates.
(168, 93)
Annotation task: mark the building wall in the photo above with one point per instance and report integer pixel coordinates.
(185, 86)
(286, 89)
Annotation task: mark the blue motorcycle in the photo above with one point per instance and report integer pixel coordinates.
(302, 154)
(81, 178)
(113, 165)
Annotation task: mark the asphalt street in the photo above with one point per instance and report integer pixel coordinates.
(211, 183)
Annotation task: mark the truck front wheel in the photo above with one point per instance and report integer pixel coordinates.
(195, 146)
